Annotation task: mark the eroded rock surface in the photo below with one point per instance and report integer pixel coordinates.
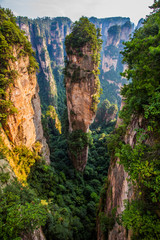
(24, 127)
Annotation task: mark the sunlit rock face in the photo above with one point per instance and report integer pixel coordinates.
(81, 86)
(24, 127)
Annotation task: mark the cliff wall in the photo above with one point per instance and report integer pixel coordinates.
(21, 133)
(114, 31)
(118, 189)
(47, 37)
(24, 127)
(82, 83)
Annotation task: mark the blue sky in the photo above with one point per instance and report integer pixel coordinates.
(74, 9)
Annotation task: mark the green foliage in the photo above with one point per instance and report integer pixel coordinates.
(156, 6)
(144, 223)
(142, 100)
(21, 212)
(141, 55)
(74, 196)
(109, 89)
(107, 222)
(10, 35)
(83, 32)
(23, 159)
(77, 141)
(51, 112)
(104, 112)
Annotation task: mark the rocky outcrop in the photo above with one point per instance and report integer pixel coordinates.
(36, 235)
(47, 36)
(119, 188)
(24, 127)
(81, 86)
(114, 31)
(80, 91)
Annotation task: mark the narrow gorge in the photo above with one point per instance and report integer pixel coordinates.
(76, 161)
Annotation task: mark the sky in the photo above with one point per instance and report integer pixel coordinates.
(74, 9)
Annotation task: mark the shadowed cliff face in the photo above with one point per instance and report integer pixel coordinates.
(47, 37)
(118, 187)
(106, 112)
(114, 31)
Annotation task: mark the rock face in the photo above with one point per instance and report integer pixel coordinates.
(80, 91)
(36, 235)
(24, 127)
(114, 31)
(47, 37)
(119, 189)
(81, 86)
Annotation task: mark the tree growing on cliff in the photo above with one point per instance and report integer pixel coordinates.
(156, 5)
(83, 46)
(83, 32)
(11, 35)
(142, 102)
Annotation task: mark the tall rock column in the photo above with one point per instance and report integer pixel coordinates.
(82, 87)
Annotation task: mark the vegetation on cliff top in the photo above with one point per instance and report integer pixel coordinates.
(83, 33)
(10, 36)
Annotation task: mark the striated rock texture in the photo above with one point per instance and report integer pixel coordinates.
(80, 91)
(82, 83)
(79, 95)
(24, 127)
(114, 31)
(47, 37)
(21, 133)
(118, 188)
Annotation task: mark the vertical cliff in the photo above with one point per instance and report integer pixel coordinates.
(129, 207)
(22, 143)
(47, 37)
(82, 85)
(20, 104)
(24, 127)
(114, 32)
